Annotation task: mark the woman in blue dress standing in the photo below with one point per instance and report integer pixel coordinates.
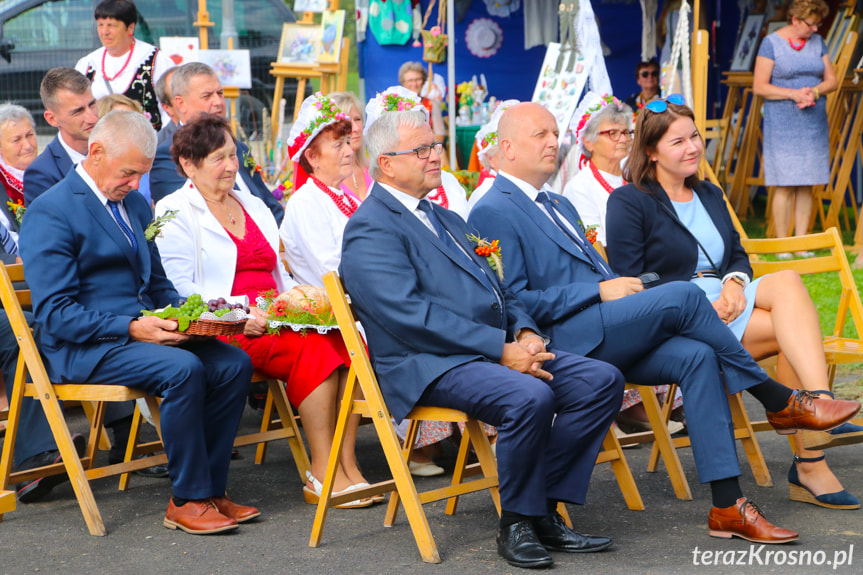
(792, 72)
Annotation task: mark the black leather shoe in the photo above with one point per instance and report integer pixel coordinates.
(519, 545)
(30, 491)
(154, 472)
(553, 534)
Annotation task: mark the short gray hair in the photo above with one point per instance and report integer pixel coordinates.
(490, 152)
(383, 135)
(162, 89)
(12, 113)
(184, 74)
(611, 113)
(119, 129)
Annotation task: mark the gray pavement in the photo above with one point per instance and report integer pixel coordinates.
(51, 537)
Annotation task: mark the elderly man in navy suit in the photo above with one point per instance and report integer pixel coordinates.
(91, 271)
(443, 331)
(669, 334)
(71, 108)
(196, 89)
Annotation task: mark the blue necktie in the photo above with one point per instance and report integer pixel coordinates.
(8, 241)
(115, 209)
(426, 206)
(591, 253)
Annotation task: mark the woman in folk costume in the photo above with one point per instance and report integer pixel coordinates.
(487, 152)
(124, 65)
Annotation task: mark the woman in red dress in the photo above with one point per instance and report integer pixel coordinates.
(224, 241)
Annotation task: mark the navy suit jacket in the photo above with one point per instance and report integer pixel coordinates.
(542, 266)
(642, 237)
(165, 179)
(47, 169)
(86, 281)
(424, 309)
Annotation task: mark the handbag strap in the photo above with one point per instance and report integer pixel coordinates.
(428, 13)
(674, 217)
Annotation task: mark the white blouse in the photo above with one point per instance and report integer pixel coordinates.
(312, 231)
(198, 254)
(590, 198)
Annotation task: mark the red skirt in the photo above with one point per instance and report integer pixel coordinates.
(302, 360)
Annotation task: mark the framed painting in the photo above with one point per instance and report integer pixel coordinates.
(332, 29)
(300, 44)
(747, 43)
(233, 67)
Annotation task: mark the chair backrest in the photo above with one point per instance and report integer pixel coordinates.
(12, 301)
(836, 261)
(361, 365)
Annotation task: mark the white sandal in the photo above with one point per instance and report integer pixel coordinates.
(312, 496)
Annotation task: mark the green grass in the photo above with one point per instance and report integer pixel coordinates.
(824, 290)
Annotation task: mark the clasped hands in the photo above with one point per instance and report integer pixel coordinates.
(804, 97)
(527, 356)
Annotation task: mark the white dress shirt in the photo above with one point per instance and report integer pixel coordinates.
(74, 155)
(91, 183)
(312, 231)
(590, 198)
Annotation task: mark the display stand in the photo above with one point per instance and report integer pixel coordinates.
(203, 23)
(334, 77)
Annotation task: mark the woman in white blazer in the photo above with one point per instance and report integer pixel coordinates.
(224, 242)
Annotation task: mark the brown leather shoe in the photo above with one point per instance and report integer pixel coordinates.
(198, 518)
(239, 513)
(745, 520)
(806, 410)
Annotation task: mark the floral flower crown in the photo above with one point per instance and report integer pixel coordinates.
(487, 135)
(316, 113)
(590, 105)
(393, 99)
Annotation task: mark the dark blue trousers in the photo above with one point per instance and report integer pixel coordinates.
(540, 456)
(672, 334)
(203, 386)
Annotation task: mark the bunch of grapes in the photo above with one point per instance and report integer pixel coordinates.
(220, 306)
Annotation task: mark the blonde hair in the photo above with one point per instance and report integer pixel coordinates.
(803, 9)
(108, 103)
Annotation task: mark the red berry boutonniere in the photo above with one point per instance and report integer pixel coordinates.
(490, 251)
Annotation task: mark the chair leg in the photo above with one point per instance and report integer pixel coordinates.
(459, 472)
(14, 416)
(131, 451)
(622, 472)
(286, 414)
(666, 448)
(744, 432)
(74, 469)
(89, 408)
(407, 447)
(266, 425)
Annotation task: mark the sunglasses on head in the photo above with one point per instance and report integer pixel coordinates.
(659, 106)
(646, 73)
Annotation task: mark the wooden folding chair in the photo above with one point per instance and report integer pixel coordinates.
(362, 379)
(80, 470)
(282, 427)
(838, 348)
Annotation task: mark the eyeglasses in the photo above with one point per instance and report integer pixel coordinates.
(614, 135)
(816, 25)
(422, 152)
(647, 73)
(659, 106)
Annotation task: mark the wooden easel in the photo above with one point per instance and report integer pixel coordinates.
(333, 76)
(203, 23)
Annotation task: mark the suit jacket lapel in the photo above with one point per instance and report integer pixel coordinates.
(107, 222)
(61, 157)
(534, 212)
(429, 236)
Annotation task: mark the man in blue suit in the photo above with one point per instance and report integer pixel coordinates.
(196, 89)
(71, 108)
(91, 272)
(669, 334)
(443, 331)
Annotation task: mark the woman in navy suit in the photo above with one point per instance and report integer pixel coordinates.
(670, 222)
